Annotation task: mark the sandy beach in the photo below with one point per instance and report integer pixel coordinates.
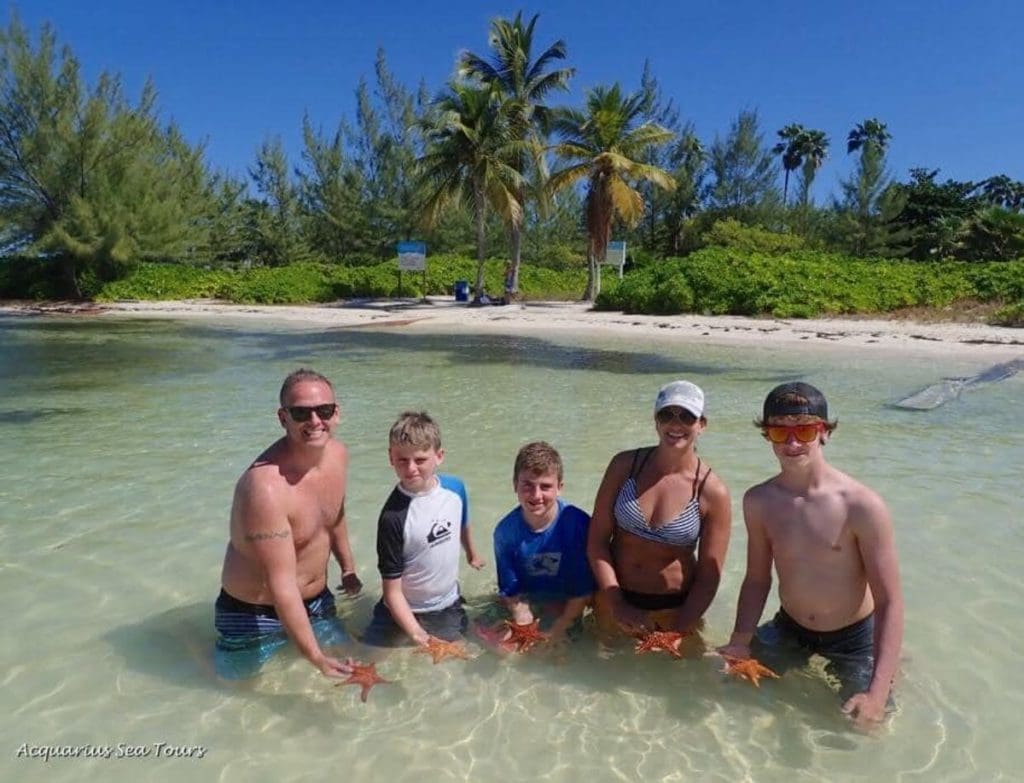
(965, 340)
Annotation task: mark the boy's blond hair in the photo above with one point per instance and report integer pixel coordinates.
(416, 429)
(538, 458)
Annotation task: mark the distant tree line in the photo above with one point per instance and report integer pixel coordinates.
(92, 183)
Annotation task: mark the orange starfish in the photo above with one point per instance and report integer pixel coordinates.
(526, 635)
(748, 669)
(364, 675)
(655, 640)
(495, 636)
(439, 649)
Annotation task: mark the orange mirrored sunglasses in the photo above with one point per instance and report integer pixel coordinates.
(805, 433)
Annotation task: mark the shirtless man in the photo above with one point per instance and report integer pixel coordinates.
(287, 517)
(831, 539)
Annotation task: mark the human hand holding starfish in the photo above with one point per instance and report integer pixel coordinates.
(748, 669)
(525, 635)
(439, 649)
(652, 641)
(365, 676)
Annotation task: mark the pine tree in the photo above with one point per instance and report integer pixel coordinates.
(87, 177)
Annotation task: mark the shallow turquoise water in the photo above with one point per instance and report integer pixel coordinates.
(122, 442)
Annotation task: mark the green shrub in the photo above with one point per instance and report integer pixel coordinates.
(1011, 315)
(309, 283)
(168, 281)
(560, 257)
(718, 281)
(734, 235)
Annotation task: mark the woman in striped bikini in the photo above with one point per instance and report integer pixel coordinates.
(661, 525)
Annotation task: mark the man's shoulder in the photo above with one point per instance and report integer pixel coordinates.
(262, 475)
(277, 459)
(335, 455)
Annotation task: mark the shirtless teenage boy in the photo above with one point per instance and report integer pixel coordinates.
(287, 517)
(831, 540)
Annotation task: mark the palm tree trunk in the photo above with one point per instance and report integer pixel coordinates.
(479, 210)
(70, 274)
(516, 241)
(594, 259)
(589, 293)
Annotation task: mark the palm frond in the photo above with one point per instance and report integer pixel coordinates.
(572, 151)
(627, 203)
(568, 176)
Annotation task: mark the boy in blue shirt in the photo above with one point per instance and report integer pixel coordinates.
(540, 547)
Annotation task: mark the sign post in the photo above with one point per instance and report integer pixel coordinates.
(412, 257)
(616, 255)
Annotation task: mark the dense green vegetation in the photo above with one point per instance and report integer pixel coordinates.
(101, 199)
(804, 284)
(312, 282)
(715, 281)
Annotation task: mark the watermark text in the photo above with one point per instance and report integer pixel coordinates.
(120, 750)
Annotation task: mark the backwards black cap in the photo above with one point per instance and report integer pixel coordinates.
(795, 399)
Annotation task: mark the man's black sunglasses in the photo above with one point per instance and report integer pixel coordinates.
(301, 413)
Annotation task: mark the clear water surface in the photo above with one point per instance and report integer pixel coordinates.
(121, 444)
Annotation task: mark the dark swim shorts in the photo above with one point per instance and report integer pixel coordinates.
(449, 624)
(782, 644)
(249, 634)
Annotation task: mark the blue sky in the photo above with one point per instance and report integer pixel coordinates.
(947, 77)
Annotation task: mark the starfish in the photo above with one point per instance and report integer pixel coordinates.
(364, 675)
(655, 640)
(526, 635)
(439, 649)
(747, 669)
(495, 636)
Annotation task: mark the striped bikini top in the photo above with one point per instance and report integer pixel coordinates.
(683, 531)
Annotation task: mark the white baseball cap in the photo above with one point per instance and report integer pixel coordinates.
(682, 394)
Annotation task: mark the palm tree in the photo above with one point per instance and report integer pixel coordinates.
(522, 83)
(869, 203)
(789, 149)
(813, 149)
(603, 145)
(469, 146)
(868, 133)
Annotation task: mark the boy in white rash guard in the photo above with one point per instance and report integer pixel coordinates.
(421, 527)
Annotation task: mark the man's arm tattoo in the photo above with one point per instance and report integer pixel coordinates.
(266, 536)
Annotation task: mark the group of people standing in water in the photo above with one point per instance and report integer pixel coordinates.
(649, 557)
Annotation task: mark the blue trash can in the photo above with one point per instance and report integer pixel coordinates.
(461, 290)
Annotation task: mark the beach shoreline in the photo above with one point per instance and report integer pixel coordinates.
(441, 314)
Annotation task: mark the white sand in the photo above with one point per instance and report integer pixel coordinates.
(444, 315)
